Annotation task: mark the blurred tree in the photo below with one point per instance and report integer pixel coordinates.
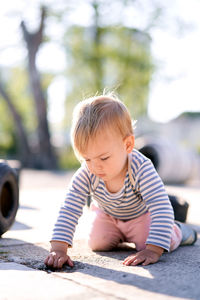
(106, 56)
(36, 151)
(18, 124)
(46, 156)
(24, 149)
(106, 53)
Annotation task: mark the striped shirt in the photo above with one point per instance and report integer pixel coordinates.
(142, 193)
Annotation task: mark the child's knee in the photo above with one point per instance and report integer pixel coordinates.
(100, 244)
(140, 246)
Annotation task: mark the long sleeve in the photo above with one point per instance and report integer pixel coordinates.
(153, 193)
(72, 208)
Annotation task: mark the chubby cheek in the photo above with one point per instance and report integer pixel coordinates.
(119, 165)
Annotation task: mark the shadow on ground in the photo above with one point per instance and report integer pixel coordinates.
(176, 274)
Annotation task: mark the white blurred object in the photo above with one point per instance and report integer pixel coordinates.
(173, 163)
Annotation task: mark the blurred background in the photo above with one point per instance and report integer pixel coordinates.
(55, 53)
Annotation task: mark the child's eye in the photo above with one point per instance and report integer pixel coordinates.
(105, 158)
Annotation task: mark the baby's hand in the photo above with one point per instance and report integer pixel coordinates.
(57, 259)
(145, 257)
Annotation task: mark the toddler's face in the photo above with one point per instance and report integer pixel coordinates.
(106, 155)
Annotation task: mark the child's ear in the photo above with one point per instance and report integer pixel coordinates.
(129, 142)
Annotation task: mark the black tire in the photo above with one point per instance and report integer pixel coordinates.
(9, 197)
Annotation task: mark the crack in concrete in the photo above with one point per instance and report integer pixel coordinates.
(65, 269)
(91, 288)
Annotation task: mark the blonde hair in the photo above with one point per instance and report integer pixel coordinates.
(91, 116)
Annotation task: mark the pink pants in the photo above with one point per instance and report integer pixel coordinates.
(107, 232)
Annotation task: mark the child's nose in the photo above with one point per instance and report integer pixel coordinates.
(96, 166)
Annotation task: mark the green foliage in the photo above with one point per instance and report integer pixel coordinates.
(17, 86)
(21, 97)
(67, 159)
(7, 134)
(108, 57)
(104, 55)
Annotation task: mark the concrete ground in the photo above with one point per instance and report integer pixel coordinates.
(24, 247)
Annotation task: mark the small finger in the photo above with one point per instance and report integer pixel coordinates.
(49, 261)
(149, 261)
(128, 260)
(55, 263)
(46, 261)
(70, 262)
(146, 262)
(60, 262)
(137, 261)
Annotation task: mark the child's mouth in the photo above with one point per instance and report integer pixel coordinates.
(101, 175)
